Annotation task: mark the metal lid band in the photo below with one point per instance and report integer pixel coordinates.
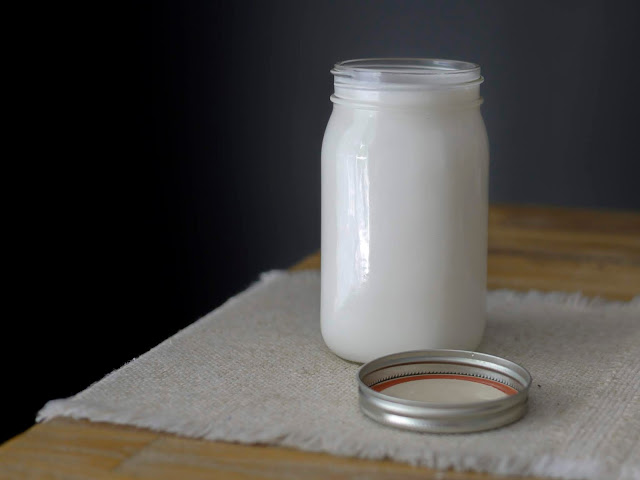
(443, 417)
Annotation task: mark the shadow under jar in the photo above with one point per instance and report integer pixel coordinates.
(404, 208)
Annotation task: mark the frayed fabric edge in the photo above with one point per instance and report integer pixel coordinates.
(335, 444)
(576, 300)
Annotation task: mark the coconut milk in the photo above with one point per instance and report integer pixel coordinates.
(404, 212)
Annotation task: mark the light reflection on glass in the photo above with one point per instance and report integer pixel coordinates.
(353, 191)
(361, 212)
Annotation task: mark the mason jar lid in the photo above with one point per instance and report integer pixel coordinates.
(443, 391)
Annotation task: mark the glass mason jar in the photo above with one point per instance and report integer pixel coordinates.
(404, 208)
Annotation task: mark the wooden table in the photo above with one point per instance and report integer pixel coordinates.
(596, 252)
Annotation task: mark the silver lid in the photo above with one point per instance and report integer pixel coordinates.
(455, 410)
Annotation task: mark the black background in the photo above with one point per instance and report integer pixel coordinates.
(161, 155)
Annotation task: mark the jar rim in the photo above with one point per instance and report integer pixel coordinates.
(405, 72)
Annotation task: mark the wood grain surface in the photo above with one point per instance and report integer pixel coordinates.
(596, 252)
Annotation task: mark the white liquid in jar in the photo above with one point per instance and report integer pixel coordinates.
(404, 222)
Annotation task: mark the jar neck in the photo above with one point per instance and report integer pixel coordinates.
(407, 83)
(453, 97)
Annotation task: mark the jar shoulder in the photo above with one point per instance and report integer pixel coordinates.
(350, 130)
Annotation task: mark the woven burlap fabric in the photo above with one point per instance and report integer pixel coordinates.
(257, 371)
